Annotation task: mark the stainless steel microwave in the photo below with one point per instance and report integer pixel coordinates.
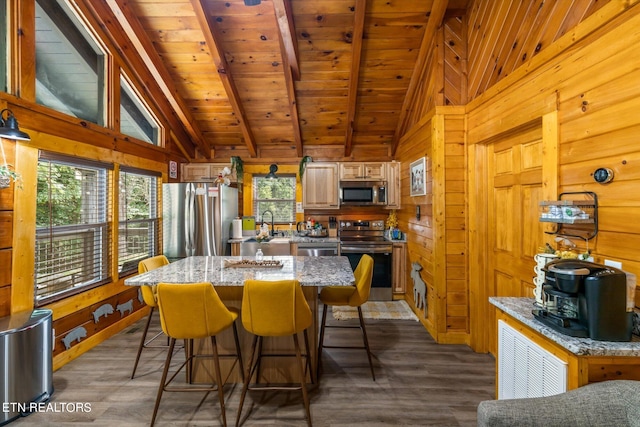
(363, 193)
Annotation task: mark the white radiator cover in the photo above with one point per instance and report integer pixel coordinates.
(525, 369)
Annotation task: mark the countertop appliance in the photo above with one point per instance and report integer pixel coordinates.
(367, 237)
(197, 218)
(363, 193)
(584, 299)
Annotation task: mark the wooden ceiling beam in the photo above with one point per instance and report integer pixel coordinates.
(291, 69)
(438, 10)
(284, 16)
(356, 54)
(209, 31)
(152, 61)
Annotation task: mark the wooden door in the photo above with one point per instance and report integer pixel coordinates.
(513, 230)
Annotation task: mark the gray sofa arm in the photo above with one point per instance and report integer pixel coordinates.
(609, 403)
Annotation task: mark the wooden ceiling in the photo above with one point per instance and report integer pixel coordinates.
(284, 78)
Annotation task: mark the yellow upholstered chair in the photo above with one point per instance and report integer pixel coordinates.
(353, 296)
(195, 311)
(274, 309)
(149, 297)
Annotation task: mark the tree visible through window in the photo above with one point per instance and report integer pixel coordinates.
(138, 216)
(276, 195)
(72, 227)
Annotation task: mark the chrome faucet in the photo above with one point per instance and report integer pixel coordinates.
(271, 213)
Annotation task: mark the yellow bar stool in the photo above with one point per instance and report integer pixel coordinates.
(149, 297)
(275, 309)
(195, 311)
(353, 296)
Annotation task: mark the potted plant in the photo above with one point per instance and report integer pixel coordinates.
(238, 166)
(6, 171)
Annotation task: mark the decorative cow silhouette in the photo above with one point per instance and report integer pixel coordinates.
(419, 288)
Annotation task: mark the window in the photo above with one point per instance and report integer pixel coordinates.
(72, 227)
(138, 235)
(276, 195)
(3, 46)
(135, 118)
(69, 63)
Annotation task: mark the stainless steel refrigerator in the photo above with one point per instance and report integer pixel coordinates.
(197, 218)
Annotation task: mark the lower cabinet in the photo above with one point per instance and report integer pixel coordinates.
(399, 274)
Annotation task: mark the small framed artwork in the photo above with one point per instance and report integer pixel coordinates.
(418, 179)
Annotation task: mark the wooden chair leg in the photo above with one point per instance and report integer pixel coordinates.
(142, 340)
(321, 340)
(216, 361)
(238, 352)
(366, 341)
(247, 379)
(308, 364)
(163, 380)
(303, 380)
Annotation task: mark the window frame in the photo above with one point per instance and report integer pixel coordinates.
(74, 26)
(98, 270)
(256, 201)
(126, 85)
(130, 266)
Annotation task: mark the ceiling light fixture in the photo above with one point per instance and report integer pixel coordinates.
(9, 127)
(272, 172)
(252, 2)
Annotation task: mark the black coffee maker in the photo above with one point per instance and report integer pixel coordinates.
(584, 299)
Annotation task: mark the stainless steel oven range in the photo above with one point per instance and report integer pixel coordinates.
(367, 237)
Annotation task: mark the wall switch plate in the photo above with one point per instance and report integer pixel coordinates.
(299, 208)
(614, 264)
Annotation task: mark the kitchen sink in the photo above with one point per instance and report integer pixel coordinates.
(274, 246)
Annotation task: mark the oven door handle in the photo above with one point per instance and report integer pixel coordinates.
(365, 250)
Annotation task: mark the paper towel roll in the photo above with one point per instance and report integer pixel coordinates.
(237, 228)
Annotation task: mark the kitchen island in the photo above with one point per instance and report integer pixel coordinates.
(311, 272)
(587, 360)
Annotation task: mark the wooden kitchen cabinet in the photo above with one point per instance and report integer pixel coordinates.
(353, 171)
(398, 269)
(193, 172)
(320, 186)
(393, 185)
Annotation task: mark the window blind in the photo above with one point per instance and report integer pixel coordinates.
(138, 218)
(73, 250)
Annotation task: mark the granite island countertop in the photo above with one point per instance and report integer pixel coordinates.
(309, 271)
(520, 309)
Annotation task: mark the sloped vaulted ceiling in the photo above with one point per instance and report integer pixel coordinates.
(286, 78)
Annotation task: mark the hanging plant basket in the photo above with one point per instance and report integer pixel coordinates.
(237, 165)
(6, 173)
(5, 181)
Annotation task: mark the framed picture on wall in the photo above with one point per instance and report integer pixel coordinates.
(418, 179)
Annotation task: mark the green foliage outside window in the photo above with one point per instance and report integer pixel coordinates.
(276, 195)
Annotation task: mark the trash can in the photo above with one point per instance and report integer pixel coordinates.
(26, 362)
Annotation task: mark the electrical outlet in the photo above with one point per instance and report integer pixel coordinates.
(614, 264)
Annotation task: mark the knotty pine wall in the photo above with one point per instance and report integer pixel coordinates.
(437, 240)
(6, 233)
(585, 88)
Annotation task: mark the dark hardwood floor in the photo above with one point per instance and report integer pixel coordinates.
(418, 383)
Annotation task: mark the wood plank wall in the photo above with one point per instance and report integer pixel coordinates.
(506, 35)
(589, 81)
(6, 233)
(438, 240)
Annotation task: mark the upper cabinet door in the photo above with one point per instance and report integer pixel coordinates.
(353, 171)
(320, 186)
